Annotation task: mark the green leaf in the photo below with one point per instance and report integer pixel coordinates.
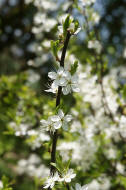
(74, 67)
(55, 165)
(76, 24)
(59, 163)
(55, 47)
(66, 25)
(122, 180)
(67, 164)
(124, 91)
(5, 183)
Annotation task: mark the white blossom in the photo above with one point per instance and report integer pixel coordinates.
(65, 119)
(72, 84)
(51, 181)
(58, 77)
(53, 123)
(68, 176)
(72, 28)
(53, 88)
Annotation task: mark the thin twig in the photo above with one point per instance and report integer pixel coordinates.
(68, 187)
(55, 135)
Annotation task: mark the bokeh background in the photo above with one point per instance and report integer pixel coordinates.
(26, 28)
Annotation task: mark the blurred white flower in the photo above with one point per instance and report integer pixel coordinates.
(87, 2)
(124, 52)
(95, 44)
(111, 153)
(38, 138)
(79, 187)
(46, 43)
(32, 167)
(39, 17)
(45, 4)
(122, 126)
(49, 24)
(120, 168)
(28, 1)
(94, 185)
(1, 184)
(20, 130)
(95, 17)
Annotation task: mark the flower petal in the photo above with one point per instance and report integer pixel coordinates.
(52, 185)
(73, 175)
(60, 28)
(57, 125)
(85, 187)
(78, 30)
(67, 180)
(75, 88)
(55, 118)
(78, 186)
(56, 83)
(67, 75)
(61, 179)
(66, 89)
(60, 71)
(56, 177)
(65, 126)
(52, 75)
(46, 186)
(68, 118)
(62, 82)
(60, 113)
(53, 89)
(74, 78)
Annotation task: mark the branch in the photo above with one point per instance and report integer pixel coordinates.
(68, 187)
(55, 135)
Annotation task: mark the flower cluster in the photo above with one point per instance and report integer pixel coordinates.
(95, 44)
(65, 79)
(56, 121)
(32, 166)
(66, 177)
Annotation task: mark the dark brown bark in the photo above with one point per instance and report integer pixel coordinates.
(55, 135)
